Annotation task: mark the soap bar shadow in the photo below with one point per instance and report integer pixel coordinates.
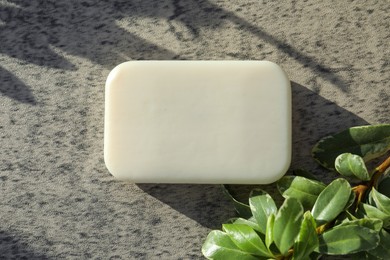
(206, 204)
(313, 117)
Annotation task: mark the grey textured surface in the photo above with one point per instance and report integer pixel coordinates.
(57, 200)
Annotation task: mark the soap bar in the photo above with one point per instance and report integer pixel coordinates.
(198, 122)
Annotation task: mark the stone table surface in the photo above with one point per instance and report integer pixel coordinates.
(57, 199)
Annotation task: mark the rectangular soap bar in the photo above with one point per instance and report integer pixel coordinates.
(198, 122)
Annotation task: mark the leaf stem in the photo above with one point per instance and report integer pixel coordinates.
(364, 187)
(321, 229)
(360, 190)
(378, 172)
(383, 166)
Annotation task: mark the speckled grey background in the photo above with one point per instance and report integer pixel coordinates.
(57, 200)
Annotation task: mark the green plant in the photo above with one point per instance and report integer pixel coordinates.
(315, 218)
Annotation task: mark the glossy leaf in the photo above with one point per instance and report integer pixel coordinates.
(246, 239)
(307, 239)
(287, 223)
(251, 222)
(381, 201)
(374, 224)
(262, 206)
(373, 212)
(218, 245)
(269, 232)
(368, 142)
(303, 189)
(352, 165)
(349, 239)
(383, 249)
(242, 209)
(331, 201)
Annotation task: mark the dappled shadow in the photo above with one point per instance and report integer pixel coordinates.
(12, 87)
(197, 14)
(12, 247)
(42, 32)
(33, 29)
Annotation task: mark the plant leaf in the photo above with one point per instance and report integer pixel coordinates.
(303, 189)
(373, 212)
(371, 223)
(242, 209)
(307, 239)
(383, 249)
(218, 245)
(262, 206)
(369, 142)
(331, 201)
(251, 222)
(381, 201)
(342, 240)
(269, 232)
(352, 165)
(287, 223)
(246, 239)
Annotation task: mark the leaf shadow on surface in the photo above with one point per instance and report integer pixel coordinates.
(33, 30)
(313, 117)
(14, 88)
(42, 32)
(12, 247)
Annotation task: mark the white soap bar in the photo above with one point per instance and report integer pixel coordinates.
(198, 122)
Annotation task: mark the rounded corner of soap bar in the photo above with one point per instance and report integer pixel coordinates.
(284, 166)
(112, 168)
(118, 70)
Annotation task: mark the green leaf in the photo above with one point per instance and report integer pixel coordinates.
(242, 209)
(246, 239)
(218, 245)
(342, 240)
(383, 249)
(331, 201)
(262, 206)
(368, 142)
(303, 189)
(287, 223)
(269, 232)
(249, 222)
(352, 165)
(371, 223)
(307, 239)
(381, 201)
(373, 212)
